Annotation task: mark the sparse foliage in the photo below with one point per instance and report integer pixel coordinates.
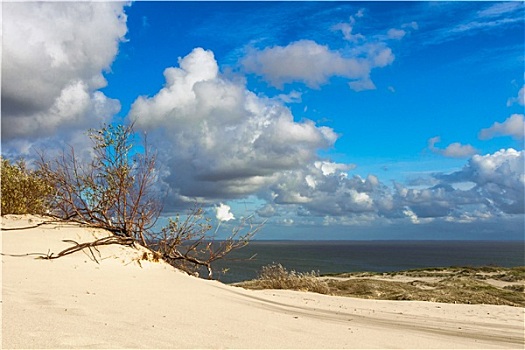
(24, 191)
(114, 191)
(117, 190)
(187, 244)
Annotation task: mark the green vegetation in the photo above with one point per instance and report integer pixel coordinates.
(24, 191)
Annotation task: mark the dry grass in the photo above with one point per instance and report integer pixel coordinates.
(275, 276)
(450, 290)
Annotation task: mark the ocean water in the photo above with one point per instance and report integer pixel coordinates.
(375, 256)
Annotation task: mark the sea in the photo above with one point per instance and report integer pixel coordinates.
(326, 257)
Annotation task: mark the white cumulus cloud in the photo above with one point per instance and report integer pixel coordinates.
(220, 140)
(496, 189)
(327, 190)
(499, 180)
(411, 215)
(223, 212)
(54, 54)
(513, 126)
(454, 150)
(313, 64)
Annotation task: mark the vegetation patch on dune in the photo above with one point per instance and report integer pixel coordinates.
(275, 276)
(464, 285)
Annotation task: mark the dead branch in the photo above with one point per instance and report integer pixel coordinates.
(22, 228)
(126, 241)
(57, 221)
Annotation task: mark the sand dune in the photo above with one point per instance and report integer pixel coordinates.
(75, 302)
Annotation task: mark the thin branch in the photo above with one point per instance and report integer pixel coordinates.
(127, 241)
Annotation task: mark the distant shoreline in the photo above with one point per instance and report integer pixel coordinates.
(372, 256)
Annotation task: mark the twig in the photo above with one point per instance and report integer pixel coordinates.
(57, 221)
(21, 255)
(27, 227)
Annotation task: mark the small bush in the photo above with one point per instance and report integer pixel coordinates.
(275, 276)
(23, 191)
(515, 288)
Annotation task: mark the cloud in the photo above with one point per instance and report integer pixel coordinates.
(497, 188)
(396, 33)
(347, 28)
(313, 64)
(483, 25)
(496, 185)
(500, 9)
(499, 180)
(513, 126)
(325, 188)
(412, 25)
(520, 99)
(434, 202)
(413, 217)
(292, 97)
(223, 212)
(470, 20)
(493, 16)
(54, 55)
(488, 186)
(454, 150)
(217, 139)
(267, 211)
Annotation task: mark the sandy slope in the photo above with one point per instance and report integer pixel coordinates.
(73, 302)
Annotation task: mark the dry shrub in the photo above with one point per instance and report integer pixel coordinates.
(115, 190)
(189, 245)
(118, 189)
(275, 276)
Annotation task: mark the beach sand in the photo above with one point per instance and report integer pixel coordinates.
(125, 302)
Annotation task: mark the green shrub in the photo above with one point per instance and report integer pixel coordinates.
(23, 191)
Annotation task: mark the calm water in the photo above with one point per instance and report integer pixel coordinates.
(376, 256)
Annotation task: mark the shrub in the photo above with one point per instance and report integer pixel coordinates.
(115, 190)
(119, 189)
(188, 245)
(275, 276)
(515, 287)
(24, 191)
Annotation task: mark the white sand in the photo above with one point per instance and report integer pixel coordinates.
(73, 302)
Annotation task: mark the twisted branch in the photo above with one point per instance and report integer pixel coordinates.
(126, 241)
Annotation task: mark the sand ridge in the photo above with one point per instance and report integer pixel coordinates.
(125, 302)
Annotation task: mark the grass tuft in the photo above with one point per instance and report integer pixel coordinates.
(275, 276)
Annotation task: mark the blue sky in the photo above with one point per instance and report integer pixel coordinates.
(330, 120)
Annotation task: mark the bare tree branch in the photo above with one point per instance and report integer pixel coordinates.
(117, 190)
